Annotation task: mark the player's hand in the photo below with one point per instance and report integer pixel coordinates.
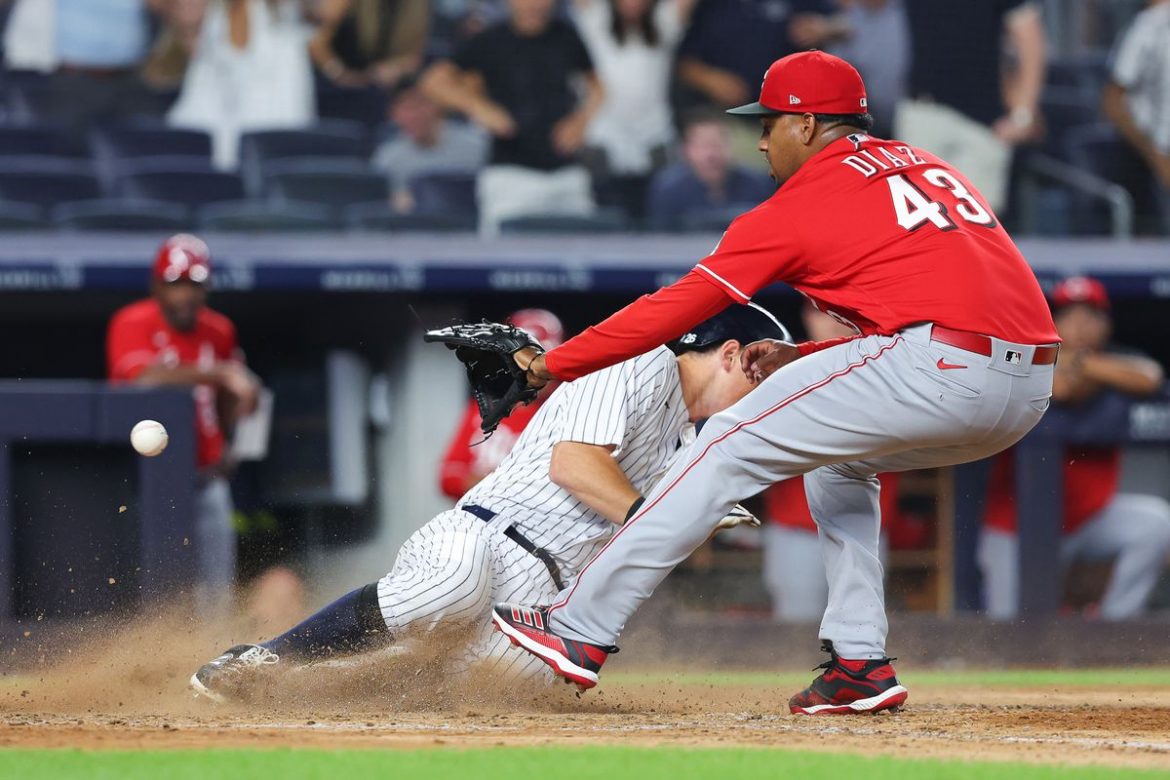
(242, 385)
(532, 361)
(495, 119)
(1012, 132)
(811, 30)
(568, 135)
(761, 359)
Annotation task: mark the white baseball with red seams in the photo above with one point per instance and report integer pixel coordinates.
(149, 438)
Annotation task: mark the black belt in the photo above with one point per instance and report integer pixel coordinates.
(549, 562)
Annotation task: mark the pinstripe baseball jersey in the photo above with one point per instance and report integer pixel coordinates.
(635, 406)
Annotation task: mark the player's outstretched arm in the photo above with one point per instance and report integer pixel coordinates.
(591, 474)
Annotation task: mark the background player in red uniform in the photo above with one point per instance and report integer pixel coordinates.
(470, 458)
(952, 362)
(1099, 522)
(173, 338)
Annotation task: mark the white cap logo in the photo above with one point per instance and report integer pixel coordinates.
(864, 102)
(793, 100)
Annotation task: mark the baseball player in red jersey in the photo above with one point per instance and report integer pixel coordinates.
(952, 361)
(469, 457)
(173, 338)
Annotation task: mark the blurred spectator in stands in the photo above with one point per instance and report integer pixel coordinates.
(426, 142)
(1099, 522)
(1137, 97)
(705, 179)
(362, 43)
(727, 49)
(174, 339)
(633, 126)
(250, 72)
(167, 62)
(518, 80)
(469, 457)
(963, 105)
(794, 570)
(30, 36)
(92, 50)
(873, 36)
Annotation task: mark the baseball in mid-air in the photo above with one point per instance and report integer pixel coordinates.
(149, 438)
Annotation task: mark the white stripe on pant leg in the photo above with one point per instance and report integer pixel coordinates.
(443, 572)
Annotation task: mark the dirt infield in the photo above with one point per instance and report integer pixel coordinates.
(130, 693)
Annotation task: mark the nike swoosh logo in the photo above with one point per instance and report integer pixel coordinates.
(944, 365)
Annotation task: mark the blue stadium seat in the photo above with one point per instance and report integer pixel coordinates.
(114, 145)
(608, 220)
(39, 139)
(379, 217)
(136, 141)
(1101, 151)
(186, 180)
(1065, 109)
(444, 193)
(366, 106)
(337, 183)
(21, 216)
(337, 139)
(115, 214)
(46, 181)
(26, 95)
(259, 216)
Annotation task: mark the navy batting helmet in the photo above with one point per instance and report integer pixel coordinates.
(743, 322)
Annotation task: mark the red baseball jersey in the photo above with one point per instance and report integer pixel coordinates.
(877, 233)
(1091, 477)
(139, 337)
(469, 454)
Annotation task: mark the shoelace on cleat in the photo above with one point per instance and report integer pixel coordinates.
(254, 656)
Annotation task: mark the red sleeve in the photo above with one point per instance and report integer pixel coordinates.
(128, 349)
(809, 347)
(457, 461)
(758, 248)
(648, 322)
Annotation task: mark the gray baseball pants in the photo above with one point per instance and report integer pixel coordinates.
(839, 416)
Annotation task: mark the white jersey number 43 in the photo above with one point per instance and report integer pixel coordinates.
(914, 208)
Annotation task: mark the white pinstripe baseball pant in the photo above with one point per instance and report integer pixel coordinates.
(451, 571)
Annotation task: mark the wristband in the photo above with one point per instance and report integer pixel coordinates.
(634, 507)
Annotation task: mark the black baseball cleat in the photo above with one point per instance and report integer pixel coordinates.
(527, 628)
(217, 679)
(850, 688)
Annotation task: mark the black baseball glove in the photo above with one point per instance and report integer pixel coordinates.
(486, 349)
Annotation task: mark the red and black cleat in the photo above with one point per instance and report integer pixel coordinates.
(850, 688)
(527, 628)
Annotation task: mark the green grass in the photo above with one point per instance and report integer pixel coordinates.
(1145, 677)
(601, 763)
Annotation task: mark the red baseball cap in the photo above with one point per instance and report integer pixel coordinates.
(1080, 289)
(809, 82)
(541, 324)
(183, 256)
